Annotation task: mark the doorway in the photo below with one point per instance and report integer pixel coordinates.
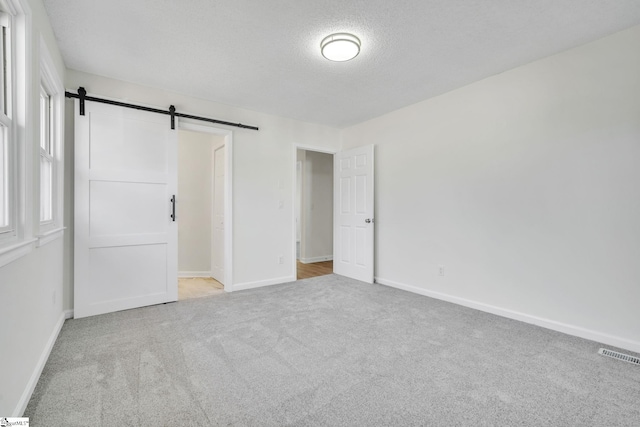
(313, 213)
(203, 211)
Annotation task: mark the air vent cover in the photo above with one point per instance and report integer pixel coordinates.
(620, 356)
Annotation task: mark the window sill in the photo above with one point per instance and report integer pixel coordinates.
(18, 250)
(50, 236)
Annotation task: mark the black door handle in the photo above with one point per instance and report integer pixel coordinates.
(173, 208)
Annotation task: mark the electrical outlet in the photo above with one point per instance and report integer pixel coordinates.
(441, 270)
(280, 259)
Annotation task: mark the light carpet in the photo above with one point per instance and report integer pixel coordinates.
(326, 351)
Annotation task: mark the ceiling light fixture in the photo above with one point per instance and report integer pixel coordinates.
(340, 47)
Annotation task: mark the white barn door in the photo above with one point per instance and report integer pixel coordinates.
(125, 239)
(353, 204)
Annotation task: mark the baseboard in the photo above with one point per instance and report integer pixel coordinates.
(194, 274)
(68, 314)
(35, 376)
(316, 259)
(523, 317)
(261, 283)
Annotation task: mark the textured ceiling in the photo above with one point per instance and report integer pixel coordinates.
(265, 56)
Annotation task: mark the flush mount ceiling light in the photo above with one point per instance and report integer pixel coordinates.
(340, 47)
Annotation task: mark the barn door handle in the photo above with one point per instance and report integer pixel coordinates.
(173, 208)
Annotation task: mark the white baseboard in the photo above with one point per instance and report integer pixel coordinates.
(523, 317)
(261, 283)
(35, 376)
(194, 274)
(68, 314)
(316, 259)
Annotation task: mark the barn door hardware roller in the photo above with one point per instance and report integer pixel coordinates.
(82, 96)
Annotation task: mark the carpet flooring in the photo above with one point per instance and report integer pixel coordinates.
(326, 351)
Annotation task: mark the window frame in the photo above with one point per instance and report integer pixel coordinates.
(47, 154)
(51, 84)
(8, 95)
(20, 241)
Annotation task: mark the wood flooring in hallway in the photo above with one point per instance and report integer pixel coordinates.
(306, 271)
(196, 287)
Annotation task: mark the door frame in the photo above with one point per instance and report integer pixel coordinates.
(228, 195)
(214, 149)
(294, 169)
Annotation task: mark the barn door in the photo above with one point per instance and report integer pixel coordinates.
(354, 223)
(125, 237)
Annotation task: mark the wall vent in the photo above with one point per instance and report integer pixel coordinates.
(620, 356)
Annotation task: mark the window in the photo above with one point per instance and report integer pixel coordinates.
(51, 160)
(4, 181)
(7, 147)
(46, 159)
(16, 153)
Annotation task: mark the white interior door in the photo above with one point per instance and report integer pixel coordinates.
(353, 212)
(125, 239)
(218, 238)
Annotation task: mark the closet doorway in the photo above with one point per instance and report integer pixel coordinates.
(203, 211)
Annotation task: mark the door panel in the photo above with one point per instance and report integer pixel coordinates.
(125, 241)
(345, 245)
(139, 209)
(345, 195)
(354, 236)
(120, 142)
(361, 246)
(121, 273)
(361, 194)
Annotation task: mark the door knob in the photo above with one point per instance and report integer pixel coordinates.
(368, 220)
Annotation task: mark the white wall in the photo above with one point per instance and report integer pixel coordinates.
(195, 167)
(31, 287)
(525, 187)
(262, 231)
(316, 206)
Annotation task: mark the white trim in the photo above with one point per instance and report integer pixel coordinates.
(50, 236)
(20, 156)
(228, 214)
(212, 241)
(48, 69)
(261, 283)
(316, 259)
(315, 148)
(52, 83)
(294, 179)
(35, 376)
(11, 253)
(68, 314)
(194, 274)
(24, 117)
(228, 193)
(523, 317)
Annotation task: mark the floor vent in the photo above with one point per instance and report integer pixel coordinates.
(620, 356)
